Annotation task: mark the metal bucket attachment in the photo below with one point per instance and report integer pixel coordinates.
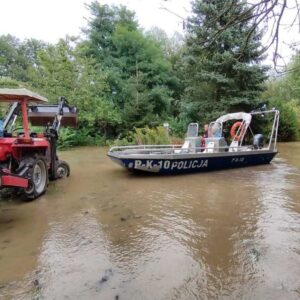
(42, 115)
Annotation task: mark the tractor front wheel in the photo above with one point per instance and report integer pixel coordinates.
(62, 169)
(37, 176)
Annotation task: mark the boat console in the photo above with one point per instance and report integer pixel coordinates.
(215, 144)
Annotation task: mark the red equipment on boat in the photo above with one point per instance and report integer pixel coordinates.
(236, 129)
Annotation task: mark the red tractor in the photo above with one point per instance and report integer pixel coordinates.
(29, 159)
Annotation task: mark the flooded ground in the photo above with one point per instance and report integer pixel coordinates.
(104, 233)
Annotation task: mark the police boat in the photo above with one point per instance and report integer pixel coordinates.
(205, 154)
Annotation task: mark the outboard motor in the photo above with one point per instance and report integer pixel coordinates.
(258, 141)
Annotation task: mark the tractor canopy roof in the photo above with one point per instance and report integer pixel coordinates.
(20, 94)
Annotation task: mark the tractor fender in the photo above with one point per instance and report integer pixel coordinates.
(38, 145)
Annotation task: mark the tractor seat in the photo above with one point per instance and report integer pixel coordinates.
(7, 134)
(32, 134)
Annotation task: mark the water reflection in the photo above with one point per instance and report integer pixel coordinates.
(107, 234)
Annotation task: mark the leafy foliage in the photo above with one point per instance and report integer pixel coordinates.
(223, 74)
(289, 124)
(139, 76)
(145, 136)
(122, 78)
(178, 126)
(284, 94)
(70, 137)
(17, 58)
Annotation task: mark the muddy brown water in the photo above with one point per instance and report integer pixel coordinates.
(104, 233)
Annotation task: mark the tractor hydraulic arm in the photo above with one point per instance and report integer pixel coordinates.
(62, 103)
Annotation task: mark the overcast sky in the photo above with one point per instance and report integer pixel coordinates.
(50, 20)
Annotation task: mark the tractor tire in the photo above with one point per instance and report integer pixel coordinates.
(62, 169)
(37, 176)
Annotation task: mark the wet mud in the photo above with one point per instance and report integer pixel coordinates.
(104, 233)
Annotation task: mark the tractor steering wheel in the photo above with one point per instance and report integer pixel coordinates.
(18, 133)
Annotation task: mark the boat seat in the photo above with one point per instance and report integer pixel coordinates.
(193, 130)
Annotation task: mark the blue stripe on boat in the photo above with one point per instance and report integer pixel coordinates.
(189, 165)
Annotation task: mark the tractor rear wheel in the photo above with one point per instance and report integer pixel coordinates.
(37, 176)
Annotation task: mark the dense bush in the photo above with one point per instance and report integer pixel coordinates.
(70, 137)
(178, 126)
(288, 122)
(283, 92)
(145, 136)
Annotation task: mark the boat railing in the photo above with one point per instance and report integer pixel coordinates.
(145, 148)
(274, 131)
(177, 149)
(180, 149)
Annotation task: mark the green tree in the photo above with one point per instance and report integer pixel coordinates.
(222, 68)
(101, 26)
(173, 48)
(61, 71)
(140, 77)
(17, 57)
(284, 93)
(144, 71)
